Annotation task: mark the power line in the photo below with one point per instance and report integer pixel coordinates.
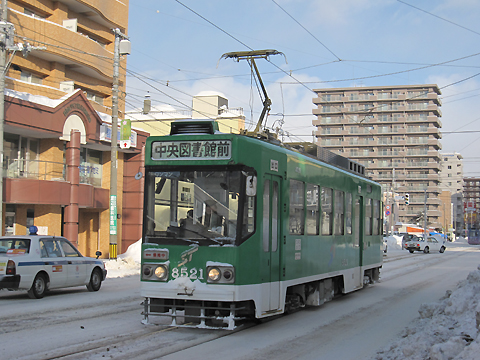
(429, 13)
(389, 74)
(211, 23)
(304, 28)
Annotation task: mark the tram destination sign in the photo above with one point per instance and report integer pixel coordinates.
(192, 150)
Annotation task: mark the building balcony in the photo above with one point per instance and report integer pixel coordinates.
(98, 66)
(435, 132)
(434, 108)
(33, 169)
(435, 143)
(113, 11)
(433, 201)
(49, 170)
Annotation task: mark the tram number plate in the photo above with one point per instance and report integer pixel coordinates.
(192, 274)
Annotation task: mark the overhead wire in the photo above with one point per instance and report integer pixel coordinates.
(304, 28)
(439, 17)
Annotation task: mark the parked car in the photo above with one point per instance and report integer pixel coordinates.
(38, 263)
(406, 237)
(419, 244)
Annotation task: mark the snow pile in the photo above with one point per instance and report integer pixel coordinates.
(127, 263)
(393, 242)
(448, 329)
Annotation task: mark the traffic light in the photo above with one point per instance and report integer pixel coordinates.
(407, 199)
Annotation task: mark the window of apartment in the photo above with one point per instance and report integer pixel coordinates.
(33, 13)
(30, 78)
(20, 156)
(91, 167)
(449, 167)
(94, 97)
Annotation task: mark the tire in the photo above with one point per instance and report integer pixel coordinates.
(442, 249)
(411, 251)
(95, 280)
(426, 250)
(39, 287)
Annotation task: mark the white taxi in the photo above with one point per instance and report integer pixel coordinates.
(38, 263)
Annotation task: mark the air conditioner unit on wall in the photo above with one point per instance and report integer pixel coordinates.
(67, 86)
(70, 24)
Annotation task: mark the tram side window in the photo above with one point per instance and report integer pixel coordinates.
(312, 210)
(376, 217)
(339, 212)
(327, 218)
(297, 192)
(348, 213)
(368, 216)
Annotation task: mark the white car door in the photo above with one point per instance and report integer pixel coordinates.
(433, 244)
(54, 262)
(76, 265)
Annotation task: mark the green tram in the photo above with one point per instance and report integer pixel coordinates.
(237, 227)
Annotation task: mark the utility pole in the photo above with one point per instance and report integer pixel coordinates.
(122, 47)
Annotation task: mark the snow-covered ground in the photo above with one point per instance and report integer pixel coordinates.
(446, 329)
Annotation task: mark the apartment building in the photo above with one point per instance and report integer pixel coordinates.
(451, 179)
(395, 133)
(471, 197)
(57, 127)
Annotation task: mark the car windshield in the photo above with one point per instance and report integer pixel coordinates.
(208, 207)
(14, 246)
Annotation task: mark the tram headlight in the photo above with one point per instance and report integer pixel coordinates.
(161, 272)
(214, 274)
(147, 271)
(220, 274)
(228, 274)
(155, 272)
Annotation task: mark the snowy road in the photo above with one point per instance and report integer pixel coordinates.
(77, 324)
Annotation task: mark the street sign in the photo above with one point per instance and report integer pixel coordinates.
(125, 144)
(387, 212)
(387, 207)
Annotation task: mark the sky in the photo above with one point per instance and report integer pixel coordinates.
(177, 47)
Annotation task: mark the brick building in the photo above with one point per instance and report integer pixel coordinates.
(57, 126)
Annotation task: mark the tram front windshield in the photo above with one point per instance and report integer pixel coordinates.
(207, 208)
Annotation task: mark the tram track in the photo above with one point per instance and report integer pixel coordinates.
(57, 316)
(150, 343)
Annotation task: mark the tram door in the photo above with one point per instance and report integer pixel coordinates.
(358, 232)
(271, 239)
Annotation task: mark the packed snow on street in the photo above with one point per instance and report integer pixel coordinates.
(446, 329)
(404, 316)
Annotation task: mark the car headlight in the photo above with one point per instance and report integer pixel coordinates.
(214, 274)
(161, 272)
(221, 274)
